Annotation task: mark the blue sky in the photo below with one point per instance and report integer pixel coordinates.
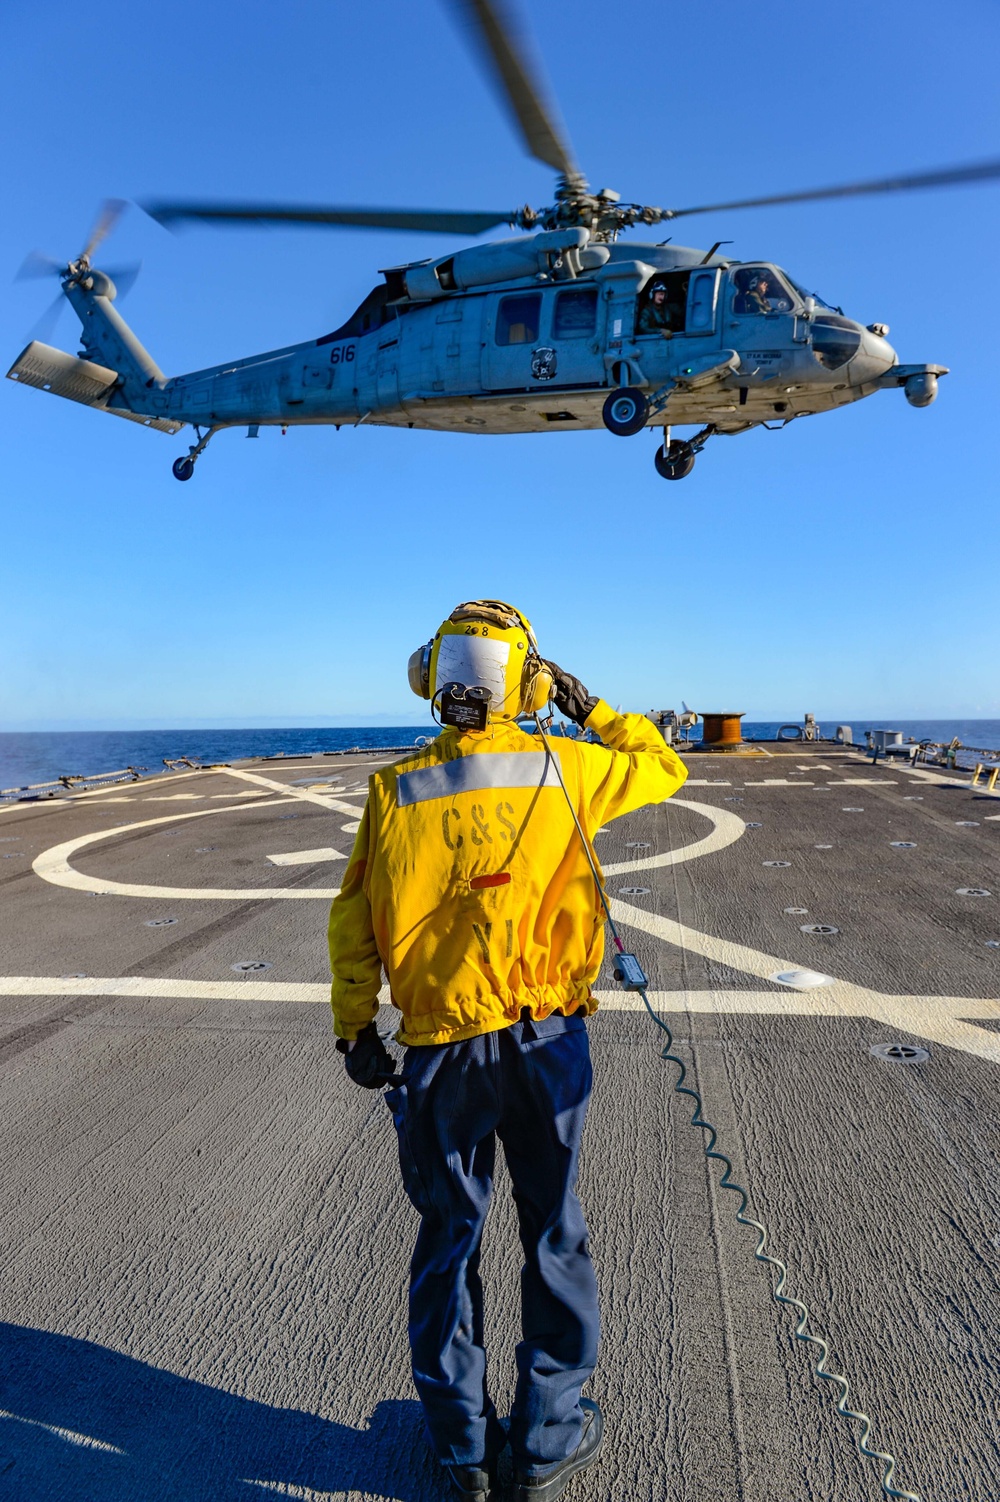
(845, 566)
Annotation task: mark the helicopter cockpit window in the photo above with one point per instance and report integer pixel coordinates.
(517, 319)
(760, 290)
(576, 314)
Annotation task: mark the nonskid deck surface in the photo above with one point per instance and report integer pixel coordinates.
(207, 1243)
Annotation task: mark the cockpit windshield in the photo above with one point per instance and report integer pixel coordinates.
(820, 301)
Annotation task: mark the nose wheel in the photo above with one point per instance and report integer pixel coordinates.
(183, 468)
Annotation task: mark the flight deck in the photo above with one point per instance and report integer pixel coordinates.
(207, 1242)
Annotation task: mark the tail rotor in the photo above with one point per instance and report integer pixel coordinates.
(37, 266)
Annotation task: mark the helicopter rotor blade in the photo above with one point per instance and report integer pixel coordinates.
(507, 59)
(124, 277)
(941, 177)
(110, 212)
(443, 222)
(44, 327)
(37, 265)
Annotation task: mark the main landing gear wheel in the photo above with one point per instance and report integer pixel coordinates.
(676, 463)
(625, 412)
(183, 469)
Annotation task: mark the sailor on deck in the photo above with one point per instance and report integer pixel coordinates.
(469, 885)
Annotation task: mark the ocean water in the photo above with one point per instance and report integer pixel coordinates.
(38, 756)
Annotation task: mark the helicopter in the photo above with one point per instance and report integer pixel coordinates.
(563, 327)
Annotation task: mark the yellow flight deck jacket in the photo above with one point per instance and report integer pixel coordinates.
(468, 882)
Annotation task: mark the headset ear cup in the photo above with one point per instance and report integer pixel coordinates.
(418, 671)
(537, 686)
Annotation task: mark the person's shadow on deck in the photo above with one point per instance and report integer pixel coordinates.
(79, 1423)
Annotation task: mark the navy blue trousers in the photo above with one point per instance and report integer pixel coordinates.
(529, 1085)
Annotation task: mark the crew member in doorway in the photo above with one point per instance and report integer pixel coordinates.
(469, 886)
(656, 317)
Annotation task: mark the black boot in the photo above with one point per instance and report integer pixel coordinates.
(470, 1483)
(548, 1488)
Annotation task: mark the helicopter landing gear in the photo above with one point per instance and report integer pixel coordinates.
(674, 458)
(625, 412)
(676, 461)
(183, 468)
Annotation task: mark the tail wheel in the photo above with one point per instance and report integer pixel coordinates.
(676, 463)
(625, 412)
(183, 469)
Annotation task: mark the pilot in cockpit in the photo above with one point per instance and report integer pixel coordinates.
(754, 298)
(656, 316)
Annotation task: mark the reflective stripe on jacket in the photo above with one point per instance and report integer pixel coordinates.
(468, 881)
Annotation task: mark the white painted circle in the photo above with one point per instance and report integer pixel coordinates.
(53, 865)
(726, 829)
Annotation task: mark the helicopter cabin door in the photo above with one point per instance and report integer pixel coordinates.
(537, 341)
(682, 306)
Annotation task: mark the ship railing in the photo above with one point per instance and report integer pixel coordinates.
(32, 792)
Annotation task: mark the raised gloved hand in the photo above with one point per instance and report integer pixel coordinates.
(571, 698)
(369, 1062)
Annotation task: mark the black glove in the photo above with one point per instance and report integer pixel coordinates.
(571, 698)
(369, 1062)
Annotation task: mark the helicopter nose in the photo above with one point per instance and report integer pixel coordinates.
(874, 357)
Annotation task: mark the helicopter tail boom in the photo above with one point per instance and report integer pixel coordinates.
(114, 373)
(107, 337)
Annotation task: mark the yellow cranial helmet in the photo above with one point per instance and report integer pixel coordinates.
(484, 645)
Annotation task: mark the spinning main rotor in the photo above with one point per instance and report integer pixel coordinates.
(601, 213)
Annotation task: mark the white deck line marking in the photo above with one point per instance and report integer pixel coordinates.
(939, 1018)
(922, 775)
(247, 794)
(727, 829)
(306, 857)
(859, 782)
(948, 1020)
(53, 865)
(169, 988)
(778, 782)
(336, 804)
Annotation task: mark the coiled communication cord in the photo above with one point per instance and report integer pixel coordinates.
(727, 1181)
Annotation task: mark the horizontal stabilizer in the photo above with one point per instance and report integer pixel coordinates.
(82, 381)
